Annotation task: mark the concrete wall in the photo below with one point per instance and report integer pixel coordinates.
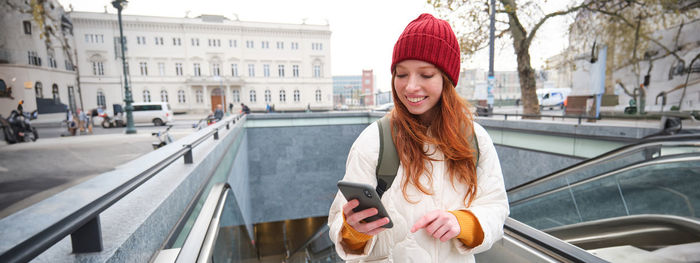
(294, 170)
(522, 165)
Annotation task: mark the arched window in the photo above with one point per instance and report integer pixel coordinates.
(146, 96)
(252, 96)
(181, 96)
(268, 95)
(296, 95)
(199, 96)
(236, 96)
(101, 101)
(283, 96)
(164, 96)
(318, 95)
(38, 90)
(54, 93)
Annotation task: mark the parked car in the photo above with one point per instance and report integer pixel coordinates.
(385, 107)
(158, 113)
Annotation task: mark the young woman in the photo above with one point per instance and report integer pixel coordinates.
(447, 201)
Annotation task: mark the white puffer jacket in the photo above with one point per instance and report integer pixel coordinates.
(398, 244)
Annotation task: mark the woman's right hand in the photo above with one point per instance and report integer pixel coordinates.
(356, 219)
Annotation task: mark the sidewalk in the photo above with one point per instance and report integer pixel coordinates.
(54, 120)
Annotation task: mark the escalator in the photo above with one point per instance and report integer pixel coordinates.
(638, 203)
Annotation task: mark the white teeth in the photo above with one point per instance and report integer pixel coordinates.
(414, 100)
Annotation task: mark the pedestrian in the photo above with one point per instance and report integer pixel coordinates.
(219, 113)
(447, 201)
(230, 107)
(245, 109)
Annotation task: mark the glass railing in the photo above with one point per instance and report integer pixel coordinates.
(666, 185)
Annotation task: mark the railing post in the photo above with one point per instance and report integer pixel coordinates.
(579, 119)
(216, 134)
(188, 154)
(506, 115)
(88, 238)
(227, 126)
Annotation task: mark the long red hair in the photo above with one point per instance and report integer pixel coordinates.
(449, 132)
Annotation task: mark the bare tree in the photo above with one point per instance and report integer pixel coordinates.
(520, 20)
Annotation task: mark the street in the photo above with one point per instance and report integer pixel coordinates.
(30, 172)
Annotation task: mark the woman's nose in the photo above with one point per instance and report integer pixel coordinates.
(412, 83)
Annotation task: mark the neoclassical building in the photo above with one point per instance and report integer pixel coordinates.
(196, 63)
(36, 61)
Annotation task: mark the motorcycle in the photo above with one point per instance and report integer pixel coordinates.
(164, 138)
(17, 127)
(116, 121)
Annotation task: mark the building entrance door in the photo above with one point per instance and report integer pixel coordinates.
(217, 97)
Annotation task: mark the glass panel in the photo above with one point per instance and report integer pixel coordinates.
(233, 243)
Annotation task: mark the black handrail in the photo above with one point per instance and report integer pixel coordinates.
(604, 156)
(565, 116)
(83, 224)
(547, 244)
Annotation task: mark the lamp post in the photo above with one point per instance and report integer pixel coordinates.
(119, 5)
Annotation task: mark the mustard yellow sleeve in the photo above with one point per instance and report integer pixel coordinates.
(470, 232)
(353, 239)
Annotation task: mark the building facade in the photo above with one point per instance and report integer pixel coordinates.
(347, 90)
(36, 65)
(196, 63)
(367, 87)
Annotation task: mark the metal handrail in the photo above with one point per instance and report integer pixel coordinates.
(200, 241)
(579, 117)
(318, 234)
(83, 223)
(547, 244)
(603, 157)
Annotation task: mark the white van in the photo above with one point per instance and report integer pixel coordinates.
(552, 97)
(158, 113)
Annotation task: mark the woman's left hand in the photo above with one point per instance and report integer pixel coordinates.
(440, 224)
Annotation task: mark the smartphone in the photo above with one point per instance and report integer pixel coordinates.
(368, 198)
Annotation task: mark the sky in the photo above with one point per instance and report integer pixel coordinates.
(363, 31)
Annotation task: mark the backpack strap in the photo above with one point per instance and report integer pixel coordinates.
(388, 163)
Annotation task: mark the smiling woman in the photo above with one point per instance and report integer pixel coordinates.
(443, 158)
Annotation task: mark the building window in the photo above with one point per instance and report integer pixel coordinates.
(251, 70)
(141, 40)
(297, 95)
(215, 70)
(268, 96)
(27, 27)
(265, 44)
(234, 70)
(249, 44)
(197, 70)
(252, 96)
(318, 95)
(52, 62)
(159, 41)
(181, 96)
(143, 66)
(295, 71)
(146, 96)
(38, 90)
(199, 96)
(69, 66)
(317, 46)
(195, 42)
(280, 45)
(161, 68)
(101, 101)
(178, 69)
(98, 68)
(280, 70)
(295, 45)
(266, 70)
(34, 58)
(164, 96)
(236, 96)
(317, 71)
(176, 41)
(283, 96)
(54, 93)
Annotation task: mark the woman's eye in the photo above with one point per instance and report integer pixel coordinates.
(401, 75)
(427, 76)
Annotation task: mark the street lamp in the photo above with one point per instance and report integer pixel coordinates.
(119, 5)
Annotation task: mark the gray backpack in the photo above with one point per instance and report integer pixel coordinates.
(388, 161)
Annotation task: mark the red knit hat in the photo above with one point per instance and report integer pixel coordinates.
(431, 40)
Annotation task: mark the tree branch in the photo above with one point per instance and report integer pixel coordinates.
(532, 33)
